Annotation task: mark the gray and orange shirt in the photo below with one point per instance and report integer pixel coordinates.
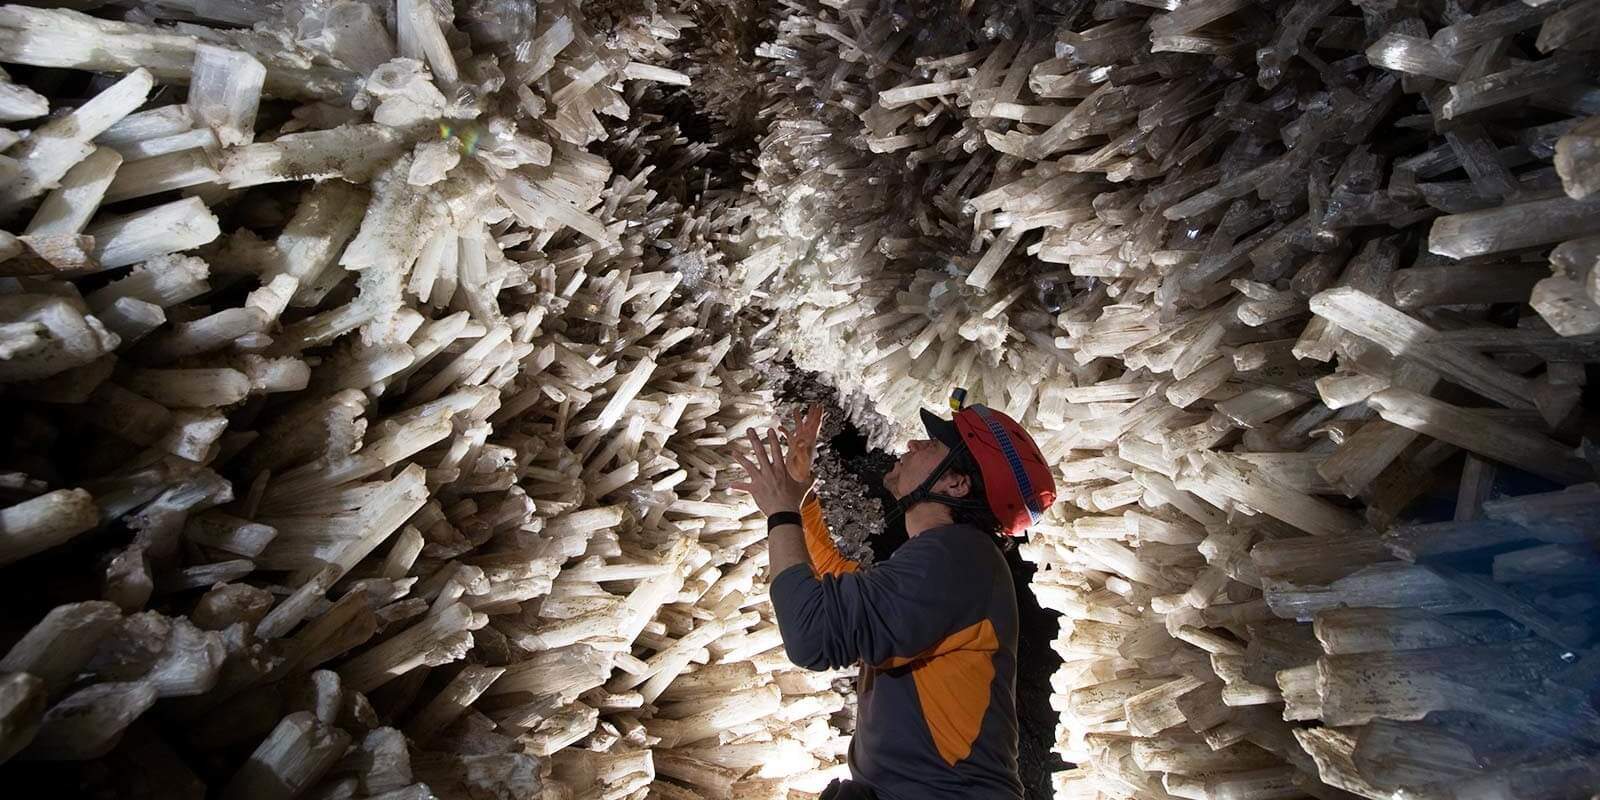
(935, 631)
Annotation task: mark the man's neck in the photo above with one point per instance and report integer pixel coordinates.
(924, 517)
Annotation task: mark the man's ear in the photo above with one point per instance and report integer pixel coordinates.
(954, 484)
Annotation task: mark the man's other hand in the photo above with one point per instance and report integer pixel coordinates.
(801, 434)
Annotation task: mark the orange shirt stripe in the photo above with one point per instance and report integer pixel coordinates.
(825, 556)
(953, 688)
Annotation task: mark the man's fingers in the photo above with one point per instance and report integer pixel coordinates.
(813, 423)
(777, 447)
(741, 486)
(760, 452)
(751, 471)
(773, 455)
(749, 468)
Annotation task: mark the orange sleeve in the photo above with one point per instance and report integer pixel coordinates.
(825, 556)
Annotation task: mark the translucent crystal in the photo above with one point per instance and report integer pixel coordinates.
(1578, 159)
(1414, 55)
(143, 235)
(1491, 24)
(1568, 27)
(1508, 85)
(89, 722)
(225, 91)
(1419, 287)
(1495, 440)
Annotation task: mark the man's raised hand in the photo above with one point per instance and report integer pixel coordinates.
(770, 482)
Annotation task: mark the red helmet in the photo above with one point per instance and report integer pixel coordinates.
(1018, 486)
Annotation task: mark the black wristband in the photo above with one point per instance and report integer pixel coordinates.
(783, 518)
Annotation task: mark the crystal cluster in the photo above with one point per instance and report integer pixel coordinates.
(371, 385)
(1300, 296)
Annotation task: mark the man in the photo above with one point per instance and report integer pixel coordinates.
(935, 626)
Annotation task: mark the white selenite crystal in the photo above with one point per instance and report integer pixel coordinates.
(225, 91)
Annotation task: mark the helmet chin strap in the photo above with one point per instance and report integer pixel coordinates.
(924, 492)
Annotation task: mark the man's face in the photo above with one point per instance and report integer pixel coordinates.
(911, 469)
